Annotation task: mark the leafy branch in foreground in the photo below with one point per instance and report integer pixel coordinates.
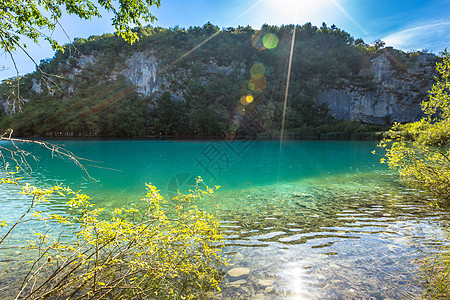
(34, 20)
(153, 251)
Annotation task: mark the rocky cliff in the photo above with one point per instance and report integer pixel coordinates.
(395, 96)
(391, 91)
(173, 82)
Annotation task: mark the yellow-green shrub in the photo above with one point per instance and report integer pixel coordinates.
(151, 251)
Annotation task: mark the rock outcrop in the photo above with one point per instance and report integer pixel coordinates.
(395, 95)
(142, 71)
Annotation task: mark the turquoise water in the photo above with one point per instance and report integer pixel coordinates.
(314, 219)
(123, 167)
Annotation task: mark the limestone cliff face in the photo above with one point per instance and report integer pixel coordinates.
(385, 91)
(150, 76)
(391, 91)
(142, 71)
(395, 95)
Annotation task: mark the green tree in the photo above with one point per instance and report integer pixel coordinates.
(205, 122)
(169, 116)
(419, 150)
(27, 19)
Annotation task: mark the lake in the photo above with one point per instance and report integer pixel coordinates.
(310, 219)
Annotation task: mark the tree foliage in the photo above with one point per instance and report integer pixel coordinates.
(32, 18)
(420, 150)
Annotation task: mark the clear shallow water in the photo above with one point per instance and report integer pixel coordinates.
(314, 220)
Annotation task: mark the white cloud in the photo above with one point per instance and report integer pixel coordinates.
(433, 35)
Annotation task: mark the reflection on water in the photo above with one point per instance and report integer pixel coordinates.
(337, 237)
(321, 220)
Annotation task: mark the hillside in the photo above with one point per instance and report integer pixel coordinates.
(204, 81)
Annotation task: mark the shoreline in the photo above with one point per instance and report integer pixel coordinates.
(365, 136)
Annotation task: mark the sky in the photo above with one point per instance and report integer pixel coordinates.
(403, 24)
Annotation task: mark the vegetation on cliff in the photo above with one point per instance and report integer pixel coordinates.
(202, 92)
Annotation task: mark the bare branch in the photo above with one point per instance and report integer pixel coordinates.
(70, 40)
(19, 156)
(17, 77)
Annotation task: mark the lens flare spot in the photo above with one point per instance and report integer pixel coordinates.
(257, 41)
(270, 41)
(257, 83)
(257, 68)
(243, 100)
(246, 99)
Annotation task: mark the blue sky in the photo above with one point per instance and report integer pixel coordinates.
(406, 25)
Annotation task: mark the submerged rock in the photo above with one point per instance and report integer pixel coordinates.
(238, 273)
(237, 283)
(265, 282)
(269, 289)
